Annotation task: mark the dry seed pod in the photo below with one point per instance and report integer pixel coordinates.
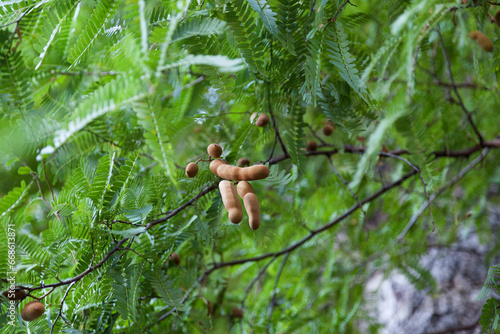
(175, 258)
(497, 18)
(228, 172)
(18, 294)
(231, 201)
(312, 145)
(244, 188)
(214, 150)
(485, 43)
(237, 313)
(252, 206)
(328, 129)
(262, 121)
(242, 162)
(191, 169)
(33, 310)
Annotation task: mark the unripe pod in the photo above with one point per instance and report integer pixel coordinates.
(33, 310)
(497, 18)
(228, 172)
(18, 295)
(328, 129)
(214, 150)
(242, 162)
(312, 146)
(237, 313)
(191, 169)
(262, 120)
(215, 164)
(252, 206)
(231, 201)
(244, 188)
(175, 258)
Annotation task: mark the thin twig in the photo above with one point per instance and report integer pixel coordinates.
(275, 287)
(60, 308)
(256, 278)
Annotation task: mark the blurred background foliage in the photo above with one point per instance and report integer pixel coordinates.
(104, 102)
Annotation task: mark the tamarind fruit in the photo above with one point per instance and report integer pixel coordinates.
(262, 120)
(231, 201)
(214, 150)
(482, 40)
(312, 145)
(251, 202)
(210, 308)
(175, 258)
(33, 310)
(18, 294)
(497, 18)
(191, 169)
(243, 188)
(328, 129)
(256, 172)
(237, 313)
(242, 162)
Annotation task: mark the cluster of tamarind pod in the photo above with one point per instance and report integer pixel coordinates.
(482, 40)
(32, 310)
(229, 192)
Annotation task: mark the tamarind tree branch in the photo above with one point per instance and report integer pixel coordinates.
(454, 87)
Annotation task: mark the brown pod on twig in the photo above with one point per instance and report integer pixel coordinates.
(243, 162)
(191, 169)
(312, 146)
(237, 313)
(33, 310)
(262, 120)
(15, 295)
(175, 258)
(328, 129)
(231, 201)
(214, 150)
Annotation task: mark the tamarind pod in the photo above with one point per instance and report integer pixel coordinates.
(243, 162)
(214, 150)
(33, 310)
(473, 35)
(18, 294)
(191, 169)
(252, 206)
(244, 188)
(229, 172)
(231, 201)
(257, 172)
(215, 164)
(485, 43)
(497, 18)
(262, 120)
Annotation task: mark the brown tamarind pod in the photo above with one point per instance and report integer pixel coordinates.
(214, 150)
(485, 43)
(229, 172)
(312, 145)
(243, 162)
(237, 313)
(244, 188)
(215, 164)
(18, 294)
(251, 203)
(262, 120)
(473, 35)
(328, 129)
(33, 310)
(231, 201)
(175, 258)
(191, 169)
(497, 18)
(210, 308)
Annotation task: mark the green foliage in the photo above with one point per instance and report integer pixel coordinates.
(103, 103)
